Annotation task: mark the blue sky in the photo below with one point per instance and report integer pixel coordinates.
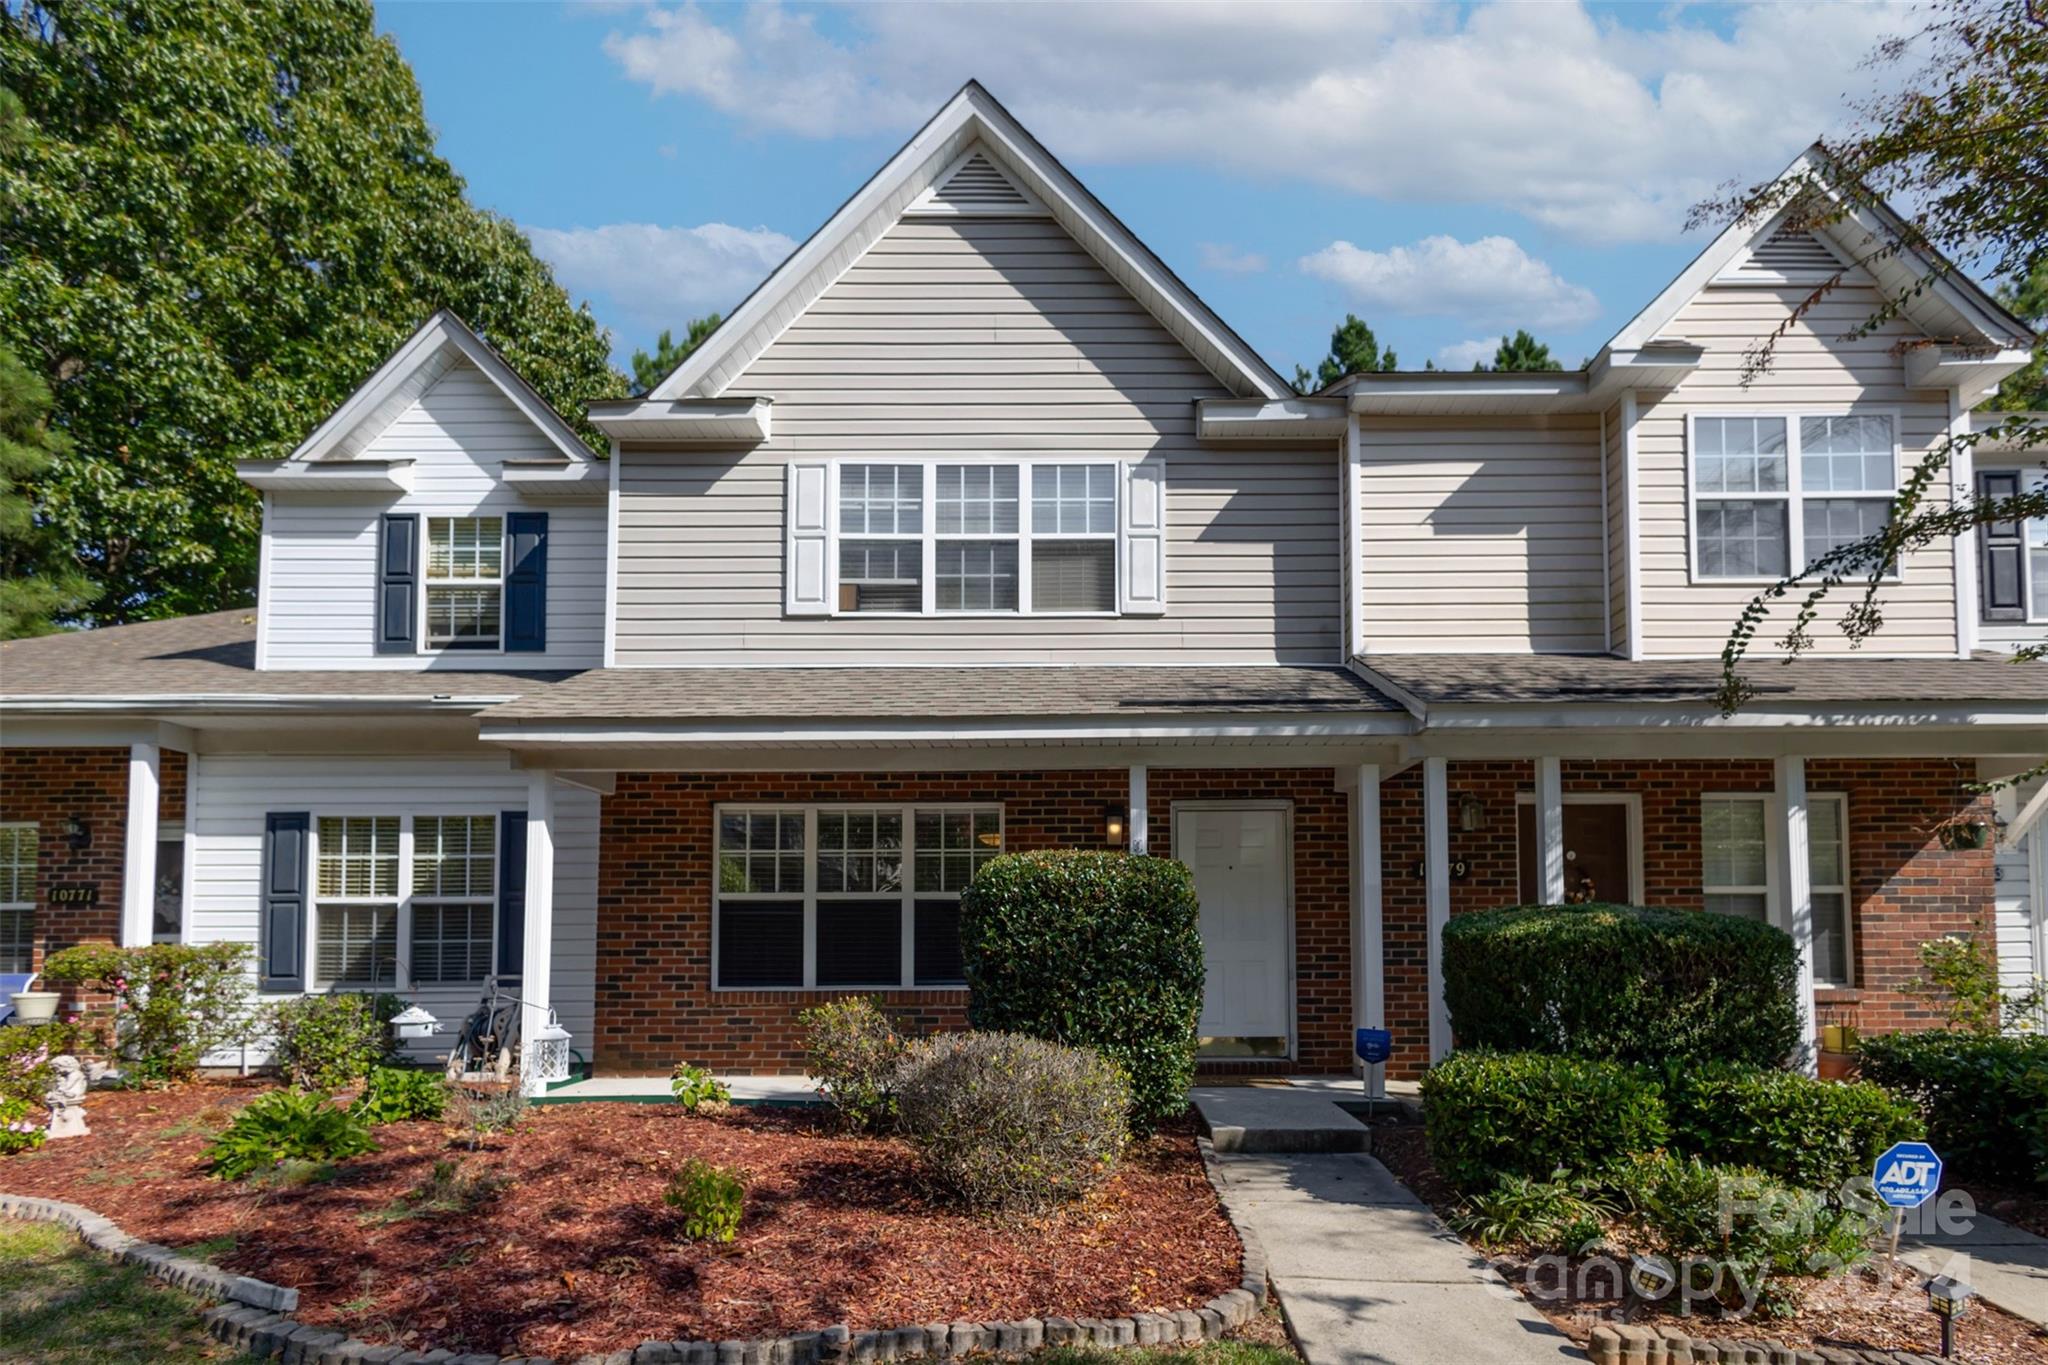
(1447, 172)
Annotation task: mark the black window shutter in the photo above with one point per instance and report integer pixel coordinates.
(526, 583)
(286, 849)
(398, 581)
(2001, 549)
(511, 894)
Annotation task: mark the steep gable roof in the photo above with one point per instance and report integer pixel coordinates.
(972, 124)
(442, 341)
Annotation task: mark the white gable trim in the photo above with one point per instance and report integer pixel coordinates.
(971, 115)
(1961, 295)
(423, 358)
(934, 204)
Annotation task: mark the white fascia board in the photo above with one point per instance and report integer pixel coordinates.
(231, 703)
(724, 421)
(331, 476)
(1066, 730)
(1697, 716)
(971, 114)
(558, 480)
(1265, 419)
(1972, 371)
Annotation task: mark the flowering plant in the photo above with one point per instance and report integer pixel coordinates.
(171, 1003)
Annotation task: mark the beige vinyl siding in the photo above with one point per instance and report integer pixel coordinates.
(978, 338)
(1483, 534)
(1615, 469)
(321, 600)
(1815, 369)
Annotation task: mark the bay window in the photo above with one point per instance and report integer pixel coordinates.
(1773, 491)
(1739, 835)
(854, 897)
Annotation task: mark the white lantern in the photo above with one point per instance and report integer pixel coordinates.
(414, 1022)
(547, 1053)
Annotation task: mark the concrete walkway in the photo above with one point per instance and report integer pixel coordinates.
(1368, 1276)
(2007, 1266)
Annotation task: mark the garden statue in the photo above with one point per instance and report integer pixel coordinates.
(66, 1097)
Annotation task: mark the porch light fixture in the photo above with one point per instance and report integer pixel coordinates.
(1113, 822)
(1948, 1300)
(78, 834)
(547, 1052)
(1471, 813)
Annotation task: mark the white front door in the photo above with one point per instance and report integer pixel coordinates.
(1239, 858)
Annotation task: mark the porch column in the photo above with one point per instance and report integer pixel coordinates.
(1550, 830)
(1795, 874)
(138, 857)
(1138, 817)
(1368, 924)
(538, 955)
(1436, 884)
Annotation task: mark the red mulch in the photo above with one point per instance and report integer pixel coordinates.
(578, 1254)
(1856, 1310)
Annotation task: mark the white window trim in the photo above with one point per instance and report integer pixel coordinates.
(2035, 604)
(414, 899)
(931, 536)
(402, 972)
(810, 894)
(427, 520)
(27, 906)
(1794, 495)
(1632, 801)
(1773, 892)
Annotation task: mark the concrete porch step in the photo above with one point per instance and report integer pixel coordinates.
(1277, 1118)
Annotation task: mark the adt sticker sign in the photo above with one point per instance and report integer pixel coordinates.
(1374, 1045)
(1907, 1175)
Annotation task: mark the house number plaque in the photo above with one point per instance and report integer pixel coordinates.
(75, 893)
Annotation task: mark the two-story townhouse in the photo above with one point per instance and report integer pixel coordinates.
(974, 529)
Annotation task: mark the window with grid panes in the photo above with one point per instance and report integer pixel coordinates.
(465, 582)
(17, 896)
(454, 897)
(356, 897)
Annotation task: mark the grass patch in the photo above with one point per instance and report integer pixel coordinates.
(212, 1250)
(62, 1304)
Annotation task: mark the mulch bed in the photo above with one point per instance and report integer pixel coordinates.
(578, 1254)
(1856, 1310)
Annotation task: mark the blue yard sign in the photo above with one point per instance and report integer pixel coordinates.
(1907, 1175)
(1374, 1045)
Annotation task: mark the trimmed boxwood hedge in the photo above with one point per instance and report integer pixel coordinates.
(1985, 1096)
(1097, 950)
(1811, 1133)
(1493, 1114)
(1623, 982)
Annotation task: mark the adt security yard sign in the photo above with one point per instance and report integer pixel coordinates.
(1907, 1175)
(1374, 1045)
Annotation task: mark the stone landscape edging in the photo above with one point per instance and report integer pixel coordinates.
(1628, 1344)
(254, 1316)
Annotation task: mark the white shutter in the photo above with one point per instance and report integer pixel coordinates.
(1144, 539)
(807, 505)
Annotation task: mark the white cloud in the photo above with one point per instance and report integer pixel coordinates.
(661, 276)
(1463, 355)
(1228, 259)
(1490, 281)
(1599, 129)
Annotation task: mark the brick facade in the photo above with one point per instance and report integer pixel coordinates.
(655, 1004)
(49, 787)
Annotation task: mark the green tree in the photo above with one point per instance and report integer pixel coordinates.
(1353, 350)
(29, 595)
(1521, 352)
(2027, 390)
(649, 370)
(220, 215)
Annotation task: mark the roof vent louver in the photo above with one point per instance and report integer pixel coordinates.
(1789, 255)
(975, 185)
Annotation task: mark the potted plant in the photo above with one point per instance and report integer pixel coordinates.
(34, 1007)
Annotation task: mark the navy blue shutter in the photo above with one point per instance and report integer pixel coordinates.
(526, 583)
(511, 894)
(2001, 548)
(282, 930)
(398, 582)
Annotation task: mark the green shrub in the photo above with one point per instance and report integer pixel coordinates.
(1542, 1215)
(395, 1094)
(853, 1051)
(1008, 1123)
(173, 1003)
(484, 1107)
(1530, 1114)
(1095, 950)
(325, 1042)
(1809, 1133)
(709, 1199)
(695, 1088)
(23, 1124)
(25, 1054)
(1984, 1096)
(1622, 982)
(286, 1126)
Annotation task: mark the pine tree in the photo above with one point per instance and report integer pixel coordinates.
(650, 370)
(1353, 350)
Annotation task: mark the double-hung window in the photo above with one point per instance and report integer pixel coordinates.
(1739, 835)
(1770, 492)
(17, 896)
(465, 582)
(853, 897)
(985, 538)
(454, 896)
(356, 895)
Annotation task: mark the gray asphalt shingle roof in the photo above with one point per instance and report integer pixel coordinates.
(1497, 679)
